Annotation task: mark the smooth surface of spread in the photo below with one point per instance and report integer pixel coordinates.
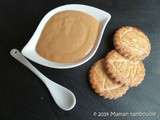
(68, 37)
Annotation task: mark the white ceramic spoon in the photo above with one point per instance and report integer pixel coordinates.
(63, 97)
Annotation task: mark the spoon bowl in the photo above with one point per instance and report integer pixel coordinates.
(64, 98)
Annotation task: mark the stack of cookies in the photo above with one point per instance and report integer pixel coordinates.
(122, 67)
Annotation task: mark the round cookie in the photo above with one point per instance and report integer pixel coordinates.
(123, 70)
(132, 43)
(102, 84)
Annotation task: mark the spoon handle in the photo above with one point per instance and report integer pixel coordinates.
(18, 56)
